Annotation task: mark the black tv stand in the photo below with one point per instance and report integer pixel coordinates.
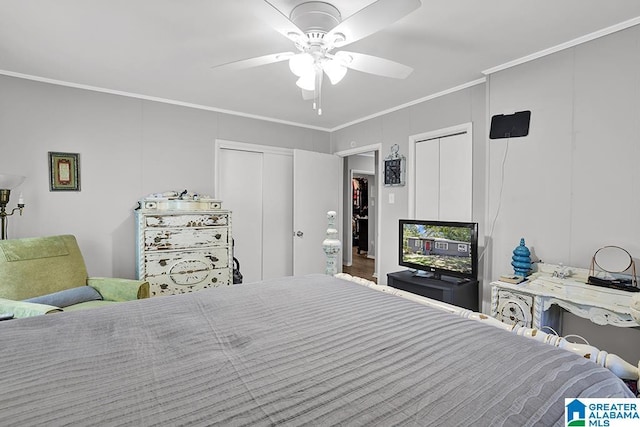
(460, 292)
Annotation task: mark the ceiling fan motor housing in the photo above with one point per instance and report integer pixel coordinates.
(315, 18)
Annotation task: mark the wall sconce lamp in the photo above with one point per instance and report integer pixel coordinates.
(7, 183)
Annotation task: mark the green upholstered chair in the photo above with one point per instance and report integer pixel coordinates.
(36, 268)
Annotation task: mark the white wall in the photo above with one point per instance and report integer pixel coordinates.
(362, 163)
(460, 107)
(128, 148)
(571, 186)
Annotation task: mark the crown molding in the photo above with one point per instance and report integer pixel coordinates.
(571, 43)
(155, 99)
(409, 104)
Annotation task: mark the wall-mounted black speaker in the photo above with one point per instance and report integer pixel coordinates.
(510, 126)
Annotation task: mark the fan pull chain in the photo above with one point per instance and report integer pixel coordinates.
(319, 90)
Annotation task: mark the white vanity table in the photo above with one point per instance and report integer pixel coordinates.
(541, 300)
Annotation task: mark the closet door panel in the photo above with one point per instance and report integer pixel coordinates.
(427, 185)
(277, 257)
(455, 178)
(240, 190)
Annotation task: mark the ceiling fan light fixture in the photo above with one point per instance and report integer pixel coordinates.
(301, 64)
(307, 81)
(335, 70)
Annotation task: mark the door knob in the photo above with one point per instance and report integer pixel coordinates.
(299, 233)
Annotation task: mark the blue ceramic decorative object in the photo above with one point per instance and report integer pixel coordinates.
(521, 260)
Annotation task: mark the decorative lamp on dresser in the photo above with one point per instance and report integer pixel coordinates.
(183, 245)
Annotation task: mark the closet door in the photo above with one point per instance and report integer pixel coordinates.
(277, 216)
(456, 179)
(443, 178)
(428, 179)
(257, 188)
(317, 190)
(240, 190)
(259, 185)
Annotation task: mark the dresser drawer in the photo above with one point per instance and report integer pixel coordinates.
(186, 220)
(183, 283)
(183, 238)
(182, 262)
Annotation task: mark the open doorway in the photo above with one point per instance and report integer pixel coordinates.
(361, 208)
(363, 251)
(360, 213)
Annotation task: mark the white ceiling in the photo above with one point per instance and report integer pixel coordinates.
(166, 49)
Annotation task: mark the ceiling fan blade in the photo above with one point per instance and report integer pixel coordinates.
(372, 18)
(374, 65)
(276, 19)
(255, 62)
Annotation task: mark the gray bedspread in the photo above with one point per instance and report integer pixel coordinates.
(311, 350)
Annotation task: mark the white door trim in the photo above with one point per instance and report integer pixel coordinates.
(411, 157)
(365, 149)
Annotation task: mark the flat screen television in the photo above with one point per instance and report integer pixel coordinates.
(444, 250)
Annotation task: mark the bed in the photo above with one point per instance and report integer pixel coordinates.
(310, 350)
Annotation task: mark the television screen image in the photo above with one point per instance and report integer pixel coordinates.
(439, 247)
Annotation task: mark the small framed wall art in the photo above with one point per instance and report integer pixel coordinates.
(64, 171)
(394, 168)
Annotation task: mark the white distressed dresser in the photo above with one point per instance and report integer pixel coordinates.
(183, 245)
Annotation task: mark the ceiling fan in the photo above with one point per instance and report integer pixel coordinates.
(316, 28)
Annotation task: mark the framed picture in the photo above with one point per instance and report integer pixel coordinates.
(64, 171)
(394, 168)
